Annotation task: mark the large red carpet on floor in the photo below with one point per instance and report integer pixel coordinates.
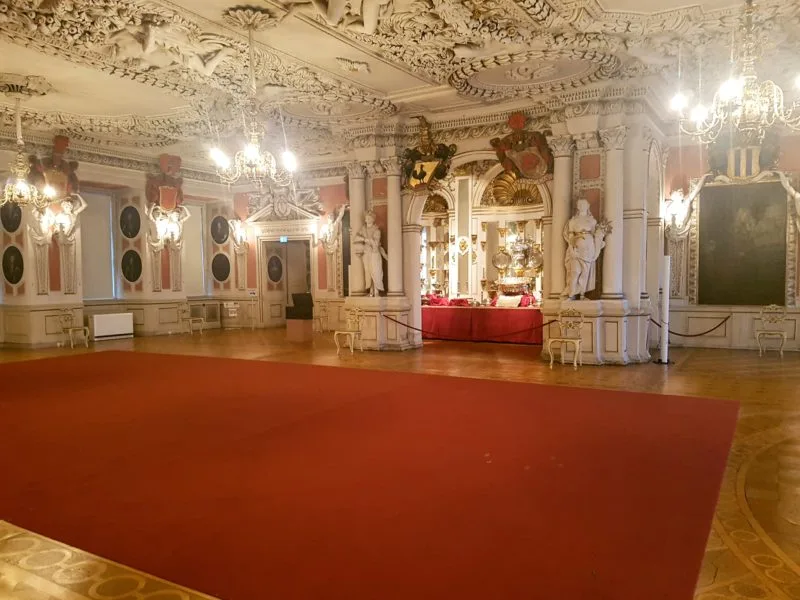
(252, 480)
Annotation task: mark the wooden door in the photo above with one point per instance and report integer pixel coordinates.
(273, 285)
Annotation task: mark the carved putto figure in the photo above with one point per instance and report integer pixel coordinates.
(373, 254)
(585, 239)
(162, 45)
(359, 16)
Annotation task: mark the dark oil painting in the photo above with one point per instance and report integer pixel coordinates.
(742, 244)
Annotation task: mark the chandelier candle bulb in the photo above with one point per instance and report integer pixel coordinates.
(289, 161)
(679, 102)
(699, 114)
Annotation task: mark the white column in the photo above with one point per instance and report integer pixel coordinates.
(547, 236)
(394, 226)
(635, 216)
(411, 266)
(614, 143)
(562, 147)
(358, 204)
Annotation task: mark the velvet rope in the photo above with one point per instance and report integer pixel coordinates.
(446, 339)
(692, 335)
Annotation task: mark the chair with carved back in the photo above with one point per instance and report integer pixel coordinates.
(69, 327)
(772, 318)
(188, 321)
(352, 330)
(570, 327)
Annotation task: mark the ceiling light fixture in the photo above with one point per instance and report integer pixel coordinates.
(743, 103)
(253, 163)
(18, 189)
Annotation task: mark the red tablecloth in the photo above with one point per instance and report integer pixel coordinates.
(482, 324)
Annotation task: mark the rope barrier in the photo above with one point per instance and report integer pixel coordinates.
(691, 335)
(543, 325)
(446, 339)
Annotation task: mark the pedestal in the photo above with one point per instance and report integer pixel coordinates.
(606, 336)
(378, 332)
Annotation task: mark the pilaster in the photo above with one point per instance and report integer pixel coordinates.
(613, 140)
(394, 226)
(358, 202)
(563, 148)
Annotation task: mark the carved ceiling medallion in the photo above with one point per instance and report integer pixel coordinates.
(489, 79)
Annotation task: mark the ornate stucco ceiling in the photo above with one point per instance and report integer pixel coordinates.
(149, 76)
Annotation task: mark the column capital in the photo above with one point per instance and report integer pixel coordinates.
(355, 170)
(412, 228)
(614, 137)
(392, 166)
(561, 145)
(587, 141)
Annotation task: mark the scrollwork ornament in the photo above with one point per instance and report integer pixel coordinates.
(614, 137)
(587, 141)
(562, 145)
(355, 170)
(392, 166)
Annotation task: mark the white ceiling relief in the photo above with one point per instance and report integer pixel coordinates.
(143, 77)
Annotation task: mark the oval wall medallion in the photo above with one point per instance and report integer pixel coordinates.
(219, 230)
(11, 216)
(130, 222)
(275, 269)
(131, 266)
(221, 267)
(13, 266)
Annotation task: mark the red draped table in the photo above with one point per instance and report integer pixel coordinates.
(482, 324)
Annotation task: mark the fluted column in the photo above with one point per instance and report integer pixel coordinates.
(614, 143)
(562, 147)
(394, 226)
(358, 204)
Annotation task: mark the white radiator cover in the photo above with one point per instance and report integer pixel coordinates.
(112, 326)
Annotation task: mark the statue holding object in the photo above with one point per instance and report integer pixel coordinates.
(585, 239)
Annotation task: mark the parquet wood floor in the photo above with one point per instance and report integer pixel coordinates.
(754, 546)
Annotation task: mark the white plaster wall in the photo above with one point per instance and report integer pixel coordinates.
(97, 259)
(194, 276)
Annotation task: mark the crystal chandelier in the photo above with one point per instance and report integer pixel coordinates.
(257, 165)
(18, 189)
(743, 104)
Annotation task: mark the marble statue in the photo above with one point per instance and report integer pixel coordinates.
(585, 239)
(330, 240)
(166, 230)
(41, 232)
(65, 224)
(373, 254)
(331, 233)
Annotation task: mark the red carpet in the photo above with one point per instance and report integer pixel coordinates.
(251, 481)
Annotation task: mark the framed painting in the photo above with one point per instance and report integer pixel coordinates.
(742, 241)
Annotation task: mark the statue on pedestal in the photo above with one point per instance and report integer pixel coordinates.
(373, 254)
(585, 239)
